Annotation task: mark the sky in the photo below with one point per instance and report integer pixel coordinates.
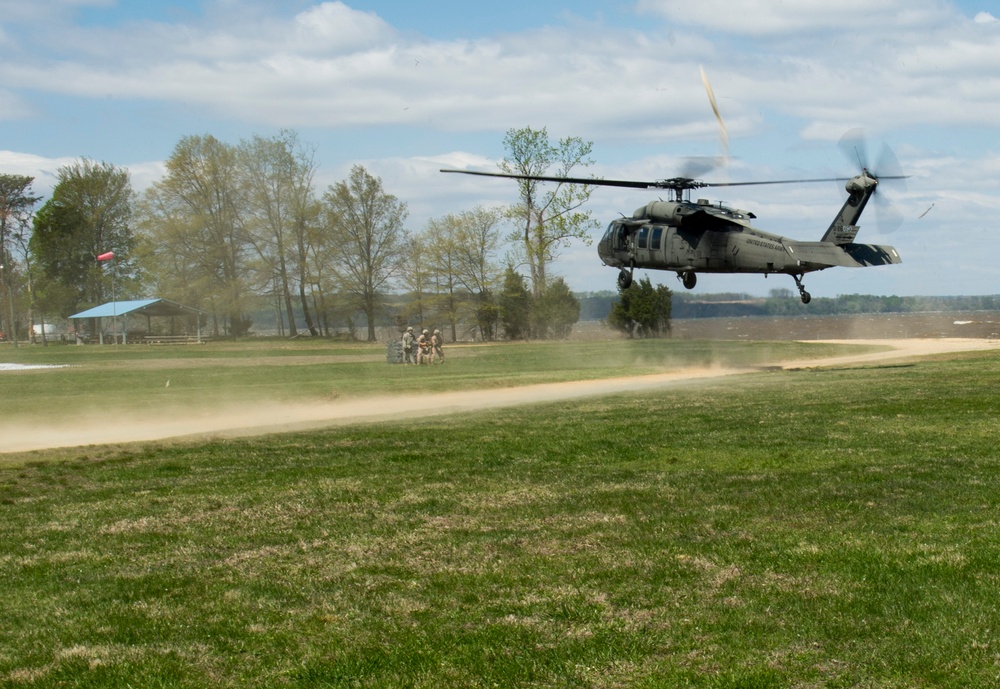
(407, 88)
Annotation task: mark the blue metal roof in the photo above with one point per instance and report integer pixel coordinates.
(142, 307)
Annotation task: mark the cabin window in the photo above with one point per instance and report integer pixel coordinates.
(643, 240)
(657, 236)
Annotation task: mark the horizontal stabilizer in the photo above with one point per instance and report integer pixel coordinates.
(845, 255)
(872, 254)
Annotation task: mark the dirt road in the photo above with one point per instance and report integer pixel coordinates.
(270, 418)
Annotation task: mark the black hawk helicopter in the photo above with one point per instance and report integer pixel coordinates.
(691, 237)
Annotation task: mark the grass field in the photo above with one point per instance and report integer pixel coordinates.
(833, 528)
(139, 378)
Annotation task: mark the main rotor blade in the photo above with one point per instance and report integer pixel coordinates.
(777, 181)
(723, 132)
(564, 180)
(674, 183)
(695, 167)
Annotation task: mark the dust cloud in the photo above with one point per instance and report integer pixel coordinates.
(258, 419)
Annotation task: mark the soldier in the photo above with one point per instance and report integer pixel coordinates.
(423, 348)
(436, 341)
(409, 356)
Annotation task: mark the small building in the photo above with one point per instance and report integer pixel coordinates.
(121, 311)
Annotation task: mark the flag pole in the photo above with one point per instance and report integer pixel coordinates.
(110, 256)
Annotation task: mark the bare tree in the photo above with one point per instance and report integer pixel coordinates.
(462, 256)
(415, 278)
(279, 193)
(441, 249)
(16, 204)
(368, 239)
(478, 242)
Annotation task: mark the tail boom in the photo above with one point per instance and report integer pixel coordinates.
(819, 255)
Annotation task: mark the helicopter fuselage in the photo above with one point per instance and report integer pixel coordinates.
(733, 249)
(699, 237)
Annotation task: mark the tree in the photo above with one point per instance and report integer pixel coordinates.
(16, 204)
(90, 213)
(369, 241)
(460, 256)
(441, 249)
(477, 241)
(278, 175)
(642, 310)
(556, 312)
(194, 220)
(546, 221)
(415, 278)
(515, 306)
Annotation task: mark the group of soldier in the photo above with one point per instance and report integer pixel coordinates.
(422, 349)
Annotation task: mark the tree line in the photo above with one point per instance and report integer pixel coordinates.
(230, 225)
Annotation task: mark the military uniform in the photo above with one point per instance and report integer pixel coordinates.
(409, 356)
(423, 348)
(436, 340)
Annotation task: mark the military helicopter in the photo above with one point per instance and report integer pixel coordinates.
(691, 237)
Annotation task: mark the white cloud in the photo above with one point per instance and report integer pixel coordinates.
(770, 17)
(335, 66)
(333, 27)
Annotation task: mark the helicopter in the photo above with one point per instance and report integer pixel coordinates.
(691, 237)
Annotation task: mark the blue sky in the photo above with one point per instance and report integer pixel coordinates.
(405, 88)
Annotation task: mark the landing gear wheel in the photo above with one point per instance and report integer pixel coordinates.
(624, 279)
(805, 296)
(689, 279)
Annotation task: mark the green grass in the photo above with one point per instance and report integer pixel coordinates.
(831, 528)
(135, 378)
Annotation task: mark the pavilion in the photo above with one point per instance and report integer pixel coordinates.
(150, 308)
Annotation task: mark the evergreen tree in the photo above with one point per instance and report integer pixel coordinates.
(556, 312)
(90, 213)
(515, 306)
(642, 310)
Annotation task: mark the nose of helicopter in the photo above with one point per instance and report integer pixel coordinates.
(605, 247)
(604, 250)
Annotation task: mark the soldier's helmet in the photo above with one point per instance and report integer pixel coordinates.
(437, 332)
(410, 329)
(425, 331)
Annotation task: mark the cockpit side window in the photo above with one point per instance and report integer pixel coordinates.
(654, 244)
(643, 238)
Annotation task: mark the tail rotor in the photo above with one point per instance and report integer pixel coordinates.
(854, 145)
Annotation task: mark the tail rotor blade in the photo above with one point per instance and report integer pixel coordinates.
(889, 167)
(855, 148)
(888, 217)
